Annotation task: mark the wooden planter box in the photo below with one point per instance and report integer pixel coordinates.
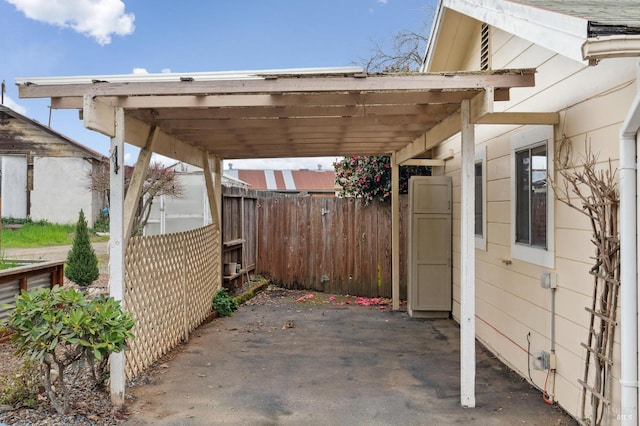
(30, 275)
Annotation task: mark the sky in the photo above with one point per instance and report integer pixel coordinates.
(51, 38)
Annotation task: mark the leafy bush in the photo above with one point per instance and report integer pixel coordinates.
(82, 262)
(22, 387)
(59, 327)
(223, 303)
(370, 177)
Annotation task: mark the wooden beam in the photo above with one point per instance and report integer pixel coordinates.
(521, 118)
(395, 233)
(98, 116)
(272, 100)
(481, 104)
(137, 182)
(438, 133)
(445, 81)
(213, 187)
(467, 262)
(136, 133)
(424, 162)
(117, 248)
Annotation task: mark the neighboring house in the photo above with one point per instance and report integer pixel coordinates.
(191, 209)
(586, 59)
(44, 174)
(304, 181)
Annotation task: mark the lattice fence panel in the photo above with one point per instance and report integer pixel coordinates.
(170, 281)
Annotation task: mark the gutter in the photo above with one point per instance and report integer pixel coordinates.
(614, 46)
(629, 248)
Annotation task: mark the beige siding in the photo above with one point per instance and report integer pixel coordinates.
(510, 303)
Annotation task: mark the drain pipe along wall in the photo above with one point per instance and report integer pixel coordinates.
(629, 219)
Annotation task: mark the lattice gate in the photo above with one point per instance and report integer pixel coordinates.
(170, 281)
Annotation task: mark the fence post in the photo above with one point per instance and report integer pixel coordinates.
(185, 311)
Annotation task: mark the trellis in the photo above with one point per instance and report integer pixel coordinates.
(596, 190)
(169, 286)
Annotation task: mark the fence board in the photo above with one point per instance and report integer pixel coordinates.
(346, 250)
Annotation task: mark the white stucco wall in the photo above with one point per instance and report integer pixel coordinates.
(60, 190)
(14, 186)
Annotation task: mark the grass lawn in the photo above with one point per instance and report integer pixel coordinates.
(40, 234)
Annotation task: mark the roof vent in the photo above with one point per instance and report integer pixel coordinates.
(484, 48)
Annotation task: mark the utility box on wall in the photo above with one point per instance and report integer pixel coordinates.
(429, 254)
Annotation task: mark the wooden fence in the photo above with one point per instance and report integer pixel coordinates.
(239, 235)
(335, 245)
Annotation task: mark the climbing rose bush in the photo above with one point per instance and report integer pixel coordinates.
(369, 177)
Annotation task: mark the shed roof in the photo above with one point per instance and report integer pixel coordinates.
(76, 145)
(278, 113)
(287, 180)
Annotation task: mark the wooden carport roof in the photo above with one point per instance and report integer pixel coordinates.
(280, 113)
(201, 118)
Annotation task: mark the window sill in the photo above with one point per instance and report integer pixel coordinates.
(537, 256)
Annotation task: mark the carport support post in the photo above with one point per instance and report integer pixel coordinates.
(467, 262)
(117, 246)
(395, 232)
(214, 196)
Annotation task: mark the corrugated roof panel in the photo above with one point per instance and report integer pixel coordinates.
(309, 180)
(280, 185)
(255, 178)
(289, 183)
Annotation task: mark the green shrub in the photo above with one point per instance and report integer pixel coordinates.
(22, 387)
(59, 327)
(102, 223)
(223, 303)
(82, 262)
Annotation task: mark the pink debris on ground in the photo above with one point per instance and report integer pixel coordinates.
(332, 298)
(305, 297)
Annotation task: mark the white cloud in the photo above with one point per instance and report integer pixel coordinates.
(140, 71)
(98, 19)
(383, 1)
(165, 70)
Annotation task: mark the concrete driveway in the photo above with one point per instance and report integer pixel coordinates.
(279, 361)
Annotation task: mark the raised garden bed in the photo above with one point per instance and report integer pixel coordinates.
(26, 276)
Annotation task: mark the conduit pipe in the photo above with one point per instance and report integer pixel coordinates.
(628, 265)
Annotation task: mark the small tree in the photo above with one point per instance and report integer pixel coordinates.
(82, 262)
(61, 327)
(160, 180)
(370, 177)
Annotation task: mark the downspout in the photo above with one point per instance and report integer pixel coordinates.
(628, 266)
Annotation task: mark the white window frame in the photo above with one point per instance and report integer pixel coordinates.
(531, 137)
(481, 157)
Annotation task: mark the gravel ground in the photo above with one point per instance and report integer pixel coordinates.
(89, 406)
(92, 406)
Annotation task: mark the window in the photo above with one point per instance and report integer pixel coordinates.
(480, 199)
(532, 200)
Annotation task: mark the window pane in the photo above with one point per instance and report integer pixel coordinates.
(522, 196)
(539, 196)
(479, 202)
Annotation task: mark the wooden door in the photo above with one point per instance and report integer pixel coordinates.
(429, 254)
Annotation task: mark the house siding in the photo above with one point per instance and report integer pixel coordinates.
(511, 307)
